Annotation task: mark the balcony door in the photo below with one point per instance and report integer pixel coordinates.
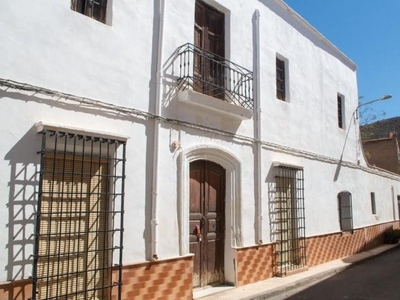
(209, 35)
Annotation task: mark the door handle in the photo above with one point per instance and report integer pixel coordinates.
(198, 233)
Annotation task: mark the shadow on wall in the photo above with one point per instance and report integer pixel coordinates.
(22, 202)
(270, 180)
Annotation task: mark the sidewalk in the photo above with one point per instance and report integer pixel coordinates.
(277, 285)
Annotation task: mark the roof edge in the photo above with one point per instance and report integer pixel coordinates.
(317, 34)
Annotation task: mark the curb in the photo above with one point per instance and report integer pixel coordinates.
(299, 283)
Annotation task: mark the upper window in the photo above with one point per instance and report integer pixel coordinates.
(280, 79)
(340, 111)
(345, 211)
(209, 65)
(373, 204)
(95, 9)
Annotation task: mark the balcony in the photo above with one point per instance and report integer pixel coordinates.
(218, 79)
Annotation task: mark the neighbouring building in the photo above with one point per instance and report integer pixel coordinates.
(154, 147)
(383, 153)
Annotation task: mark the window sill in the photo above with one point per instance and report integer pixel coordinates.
(195, 99)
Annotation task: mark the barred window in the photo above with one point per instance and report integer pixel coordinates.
(95, 9)
(340, 111)
(373, 204)
(280, 79)
(79, 222)
(290, 218)
(345, 211)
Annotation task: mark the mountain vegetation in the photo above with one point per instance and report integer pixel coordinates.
(380, 129)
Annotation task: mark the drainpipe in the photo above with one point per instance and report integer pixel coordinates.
(157, 112)
(257, 106)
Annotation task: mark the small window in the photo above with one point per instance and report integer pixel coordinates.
(95, 9)
(398, 205)
(280, 80)
(340, 111)
(373, 205)
(345, 212)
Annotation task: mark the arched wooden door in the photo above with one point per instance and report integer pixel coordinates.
(207, 222)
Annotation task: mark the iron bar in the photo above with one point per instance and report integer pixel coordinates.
(290, 219)
(78, 200)
(215, 76)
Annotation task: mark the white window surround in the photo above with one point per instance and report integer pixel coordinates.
(85, 131)
(206, 102)
(216, 154)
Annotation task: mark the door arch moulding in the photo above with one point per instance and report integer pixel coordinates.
(221, 156)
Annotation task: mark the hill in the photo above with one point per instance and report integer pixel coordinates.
(380, 129)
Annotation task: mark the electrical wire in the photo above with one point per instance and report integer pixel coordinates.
(7, 84)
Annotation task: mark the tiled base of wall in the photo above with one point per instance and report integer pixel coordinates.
(254, 264)
(16, 290)
(169, 279)
(324, 248)
(172, 279)
(257, 263)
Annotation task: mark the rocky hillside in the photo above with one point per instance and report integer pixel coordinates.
(380, 129)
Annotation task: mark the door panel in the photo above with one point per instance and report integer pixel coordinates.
(195, 218)
(207, 211)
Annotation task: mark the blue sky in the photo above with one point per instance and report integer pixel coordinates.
(368, 32)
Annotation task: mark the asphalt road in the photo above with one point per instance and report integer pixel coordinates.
(377, 278)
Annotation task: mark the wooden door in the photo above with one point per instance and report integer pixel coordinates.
(209, 32)
(207, 217)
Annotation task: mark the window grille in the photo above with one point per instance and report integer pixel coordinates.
(79, 222)
(290, 219)
(280, 80)
(345, 211)
(340, 111)
(95, 9)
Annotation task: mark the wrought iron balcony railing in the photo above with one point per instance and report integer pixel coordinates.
(213, 75)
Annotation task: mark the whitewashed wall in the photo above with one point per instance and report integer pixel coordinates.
(46, 44)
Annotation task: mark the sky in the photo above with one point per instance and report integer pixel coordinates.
(367, 32)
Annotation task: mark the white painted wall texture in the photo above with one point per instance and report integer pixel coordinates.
(46, 44)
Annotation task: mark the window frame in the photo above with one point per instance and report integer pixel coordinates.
(373, 203)
(340, 111)
(341, 207)
(94, 9)
(281, 78)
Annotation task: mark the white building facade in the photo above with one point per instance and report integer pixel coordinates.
(154, 147)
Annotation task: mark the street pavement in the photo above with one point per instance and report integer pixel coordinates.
(327, 281)
(377, 278)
